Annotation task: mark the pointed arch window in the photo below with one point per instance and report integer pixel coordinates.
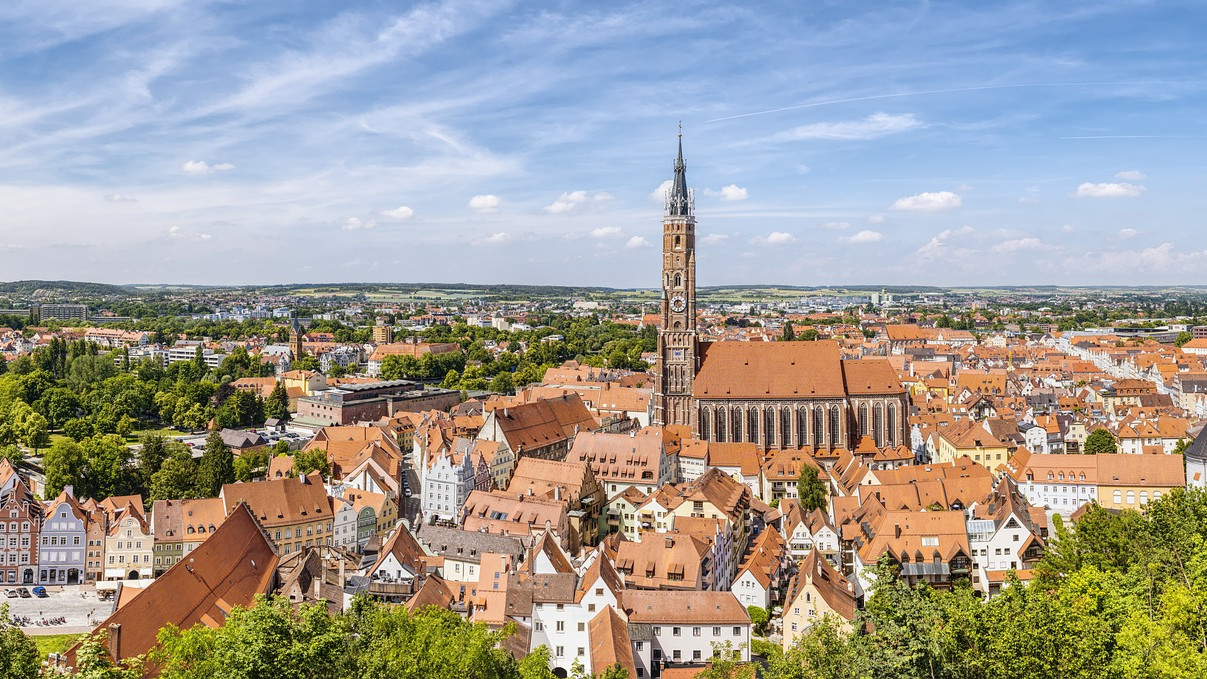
(721, 425)
(704, 424)
(802, 427)
(863, 419)
(891, 424)
(752, 426)
(835, 426)
(819, 430)
(768, 428)
(878, 423)
(678, 280)
(737, 425)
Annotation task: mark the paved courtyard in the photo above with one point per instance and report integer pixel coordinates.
(78, 604)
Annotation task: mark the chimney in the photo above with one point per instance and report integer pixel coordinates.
(115, 637)
(632, 433)
(557, 492)
(670, 542)
(70, 490)
(897, 530)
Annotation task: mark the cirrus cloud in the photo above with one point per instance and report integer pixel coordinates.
(872, 127)
(929, 201)
(1131, 175)
(1018, 245)
(202, 167)
(358, 224)
(495, 239)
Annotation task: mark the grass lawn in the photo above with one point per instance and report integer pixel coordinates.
(53, 643)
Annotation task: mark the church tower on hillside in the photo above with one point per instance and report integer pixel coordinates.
(295, 339)
(676, 367)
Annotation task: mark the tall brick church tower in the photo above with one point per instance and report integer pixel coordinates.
(676, 367)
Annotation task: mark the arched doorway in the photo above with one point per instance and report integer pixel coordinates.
(132, 575)
(560, 673)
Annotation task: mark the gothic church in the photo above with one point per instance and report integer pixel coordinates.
(774, 394)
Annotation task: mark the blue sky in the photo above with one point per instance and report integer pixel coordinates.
(828, 142)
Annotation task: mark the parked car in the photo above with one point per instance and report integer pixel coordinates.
(11, 593)
(24, 593)
(40, 592)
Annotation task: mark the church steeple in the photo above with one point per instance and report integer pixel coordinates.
(679, 199)
(676, 367)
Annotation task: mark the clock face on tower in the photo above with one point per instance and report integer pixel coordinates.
(678, 304)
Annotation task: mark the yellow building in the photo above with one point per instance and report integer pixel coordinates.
(969, 438)
(294, 512)
(817, 590)
(1132, 481)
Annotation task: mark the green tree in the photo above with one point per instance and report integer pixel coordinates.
(758, 618)
(789, 334)
(268, 639)
(306, 362)
(1100, 442)
(811, 491)
(217, 466)
(108, 470)
(64, 464)
(176, 478)
(810, 335)
(18, 653)
(306, 461)
(78, 428)
(1182, 338)
(277, 403)
(823, 651)
(34, 431)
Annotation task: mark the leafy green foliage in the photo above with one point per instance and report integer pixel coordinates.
(1117, 595)
(18, 653)
(217, 466)
(810, 489)
(1100, 442)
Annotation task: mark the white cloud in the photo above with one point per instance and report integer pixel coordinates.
(119, 198)
(1067, 228)
(1109, 190)
(637, 242)
(731, 192)
(358, 224)
(929, 201)
(202, 167)
(1128, 233)
(180, 233)
(573, 199)
(872, 127)
(775, 238)
(863, 237)
(1018, 245)
(714, 238)
(837, 226)
(494, 239)
(1131, 175)
(400, 212)
(659, 194)
(876, 219)
(485, 202)
(607, 232)
(937, 246)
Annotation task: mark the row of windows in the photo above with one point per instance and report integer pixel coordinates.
(13, 526)
(56, 540)
(696, 631)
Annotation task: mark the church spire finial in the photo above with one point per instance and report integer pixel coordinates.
(678, 202)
